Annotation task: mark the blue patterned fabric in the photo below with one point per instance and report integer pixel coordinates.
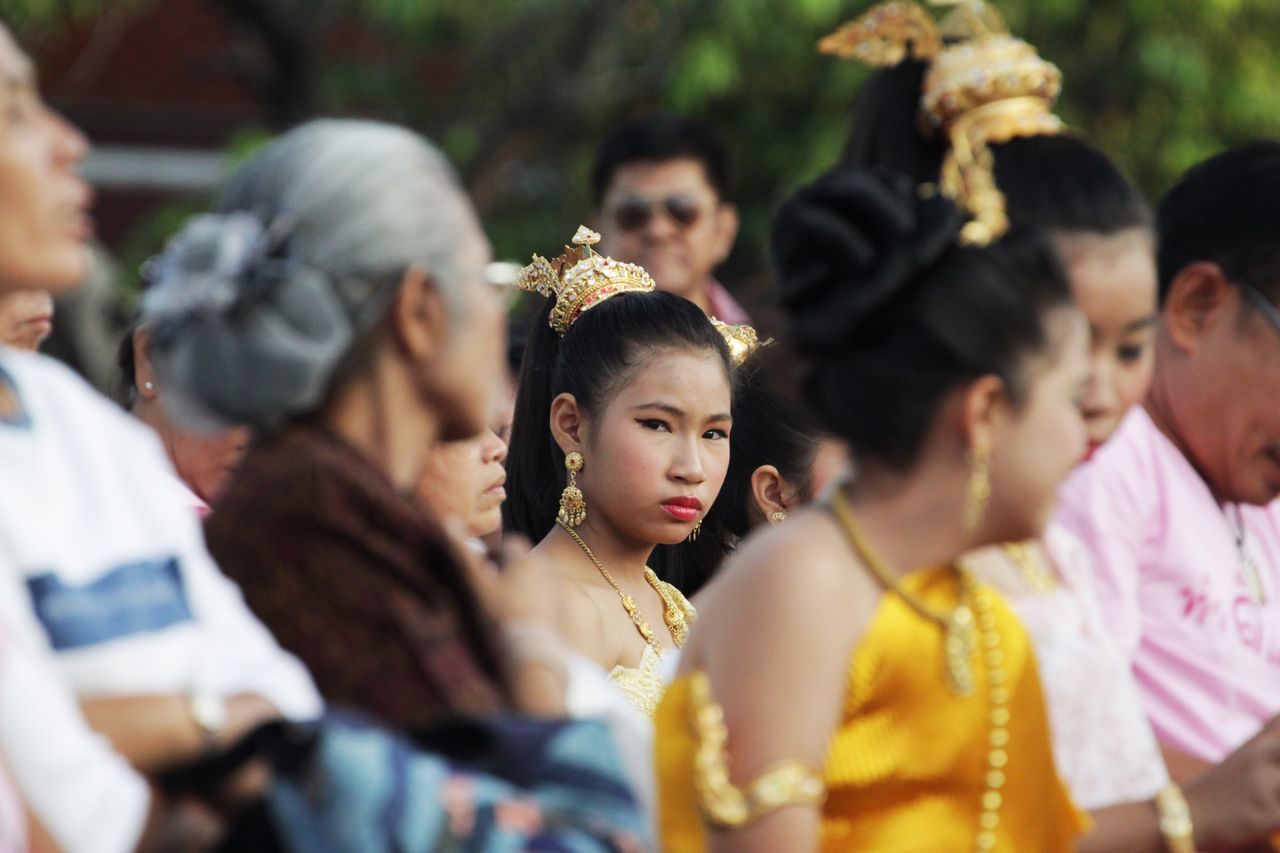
(523, 785)
(135, 598)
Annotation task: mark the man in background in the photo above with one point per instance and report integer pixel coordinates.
(661, 184)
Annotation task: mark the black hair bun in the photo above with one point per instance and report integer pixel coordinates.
(847, 244)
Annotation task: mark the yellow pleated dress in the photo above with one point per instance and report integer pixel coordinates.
(909, 768)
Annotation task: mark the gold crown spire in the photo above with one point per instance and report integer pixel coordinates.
(580, 279)
(984, 86)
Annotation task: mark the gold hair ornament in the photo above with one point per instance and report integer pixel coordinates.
(741, 339)
(886, 35)
(579, 279)
(983, 87)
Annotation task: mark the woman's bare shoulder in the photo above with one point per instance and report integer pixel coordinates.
(799, 577)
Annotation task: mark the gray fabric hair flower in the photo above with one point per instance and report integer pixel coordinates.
(269, 330)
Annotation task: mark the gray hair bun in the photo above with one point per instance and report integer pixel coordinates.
(241, 333)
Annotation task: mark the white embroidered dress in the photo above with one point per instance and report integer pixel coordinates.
(1103, 745)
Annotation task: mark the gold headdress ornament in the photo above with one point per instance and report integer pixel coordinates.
(983, 86)
(580, 279)
(741, 339)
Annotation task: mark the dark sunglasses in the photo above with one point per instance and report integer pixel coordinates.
(634, 212)
(1271, 312)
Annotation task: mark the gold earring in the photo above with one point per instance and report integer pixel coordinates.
(979, 492)
(573, 507)
(697, 528)
(777, 517)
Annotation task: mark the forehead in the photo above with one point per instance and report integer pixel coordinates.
(652, 177)
(693, 381)
(1067, 355)
(1113, 280)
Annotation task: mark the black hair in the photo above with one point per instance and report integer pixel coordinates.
(1060, 182)
(768, 429)
(661, 137)
(126, 362)
(601, 352)
(895, 314)
(1225, 210)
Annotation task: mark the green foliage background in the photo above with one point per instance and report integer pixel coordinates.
(518, 92)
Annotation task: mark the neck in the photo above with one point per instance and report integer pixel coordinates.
(149, 411)
(911, 521)
(699, 295)
(621, 557)
(375, 414)
(1160, 408)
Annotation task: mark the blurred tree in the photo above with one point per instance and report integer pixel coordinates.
(518, 92)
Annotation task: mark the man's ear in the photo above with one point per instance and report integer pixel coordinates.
(418, 316)
(1197, 297)
(726, 231)
(567, 423)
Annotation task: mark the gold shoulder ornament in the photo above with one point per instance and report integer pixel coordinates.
(724, 805)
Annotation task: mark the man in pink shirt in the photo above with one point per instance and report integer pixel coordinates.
(1178, 510)
(661, 187)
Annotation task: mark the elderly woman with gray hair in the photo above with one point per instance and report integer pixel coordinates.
(335, 301)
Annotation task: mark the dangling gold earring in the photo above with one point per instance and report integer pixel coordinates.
(697, 528)
(777, 517)
(573, 507)
(979, 492)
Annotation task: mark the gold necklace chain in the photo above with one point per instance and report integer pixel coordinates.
(959, 651)
(1026, 559)
(957, 626)
(997, 715)
(672, 614)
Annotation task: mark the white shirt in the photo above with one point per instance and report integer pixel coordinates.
(1104, 748)
(84, 793)
(105, 572)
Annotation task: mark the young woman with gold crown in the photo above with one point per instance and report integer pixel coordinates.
(620, 443)
(849, 686)
(984, 99)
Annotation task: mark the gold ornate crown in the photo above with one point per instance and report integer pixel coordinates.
(983, 86)
(580, 279)
(741, 339)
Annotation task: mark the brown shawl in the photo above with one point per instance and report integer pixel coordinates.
(354, 579)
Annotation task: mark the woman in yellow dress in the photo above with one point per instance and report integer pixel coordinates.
(620, 444)
(848, 686)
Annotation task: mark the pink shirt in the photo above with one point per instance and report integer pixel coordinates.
(1205, 655)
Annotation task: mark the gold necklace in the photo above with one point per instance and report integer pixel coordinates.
(997, 714)
(1027, 561)
(959, 646)
(672, 613)
(957, 626)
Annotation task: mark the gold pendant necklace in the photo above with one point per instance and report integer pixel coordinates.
(672, 614)
(959, 644)
(957, 625)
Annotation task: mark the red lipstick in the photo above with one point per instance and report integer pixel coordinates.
(683, 508)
